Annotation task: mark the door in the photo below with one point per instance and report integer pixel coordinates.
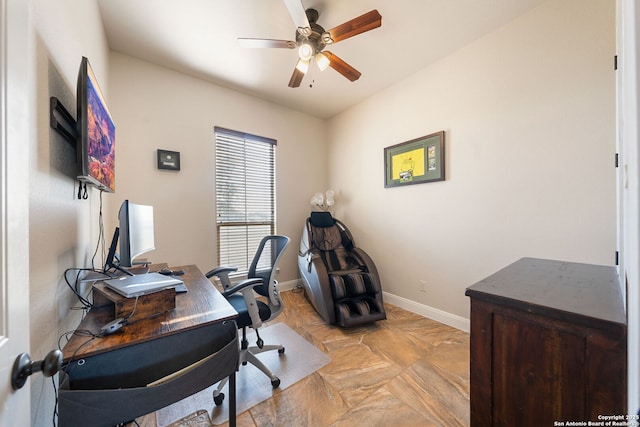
(14, 206)
(628, 92)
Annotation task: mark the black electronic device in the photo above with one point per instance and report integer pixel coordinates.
(112, 327)
(112, 255)
(169, 272)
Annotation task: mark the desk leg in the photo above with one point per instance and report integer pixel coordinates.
(232, 400)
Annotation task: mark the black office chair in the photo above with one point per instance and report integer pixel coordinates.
(253, 311)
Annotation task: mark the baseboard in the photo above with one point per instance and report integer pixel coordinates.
(453, 320)
(289, 285)
(438, 315)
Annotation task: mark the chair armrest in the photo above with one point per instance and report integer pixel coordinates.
(222, 273)
(371, 268)
(245, 287)
(238, 287)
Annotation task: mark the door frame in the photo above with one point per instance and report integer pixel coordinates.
(15, 122)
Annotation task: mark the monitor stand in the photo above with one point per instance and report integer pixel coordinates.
(112, 256)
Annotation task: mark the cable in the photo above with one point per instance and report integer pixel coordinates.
(125, 321)
(64, 368)
(86, 304)
(100, 242)
(74, 288)
(135, 305)
(55, 405)
(81, 332)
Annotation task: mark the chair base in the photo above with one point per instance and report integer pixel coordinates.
(248, 355)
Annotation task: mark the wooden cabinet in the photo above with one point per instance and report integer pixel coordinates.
(548, 344)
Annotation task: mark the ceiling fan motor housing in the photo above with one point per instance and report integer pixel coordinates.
(315, 38)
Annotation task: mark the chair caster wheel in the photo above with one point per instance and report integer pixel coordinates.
(275, 383)
(260, 343)
(218, 399)
(281, 350)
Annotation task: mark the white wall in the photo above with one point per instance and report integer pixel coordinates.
(63, 230)
(529, 116)
(156, 108)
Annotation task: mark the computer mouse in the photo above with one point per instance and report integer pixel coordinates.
(165, 271)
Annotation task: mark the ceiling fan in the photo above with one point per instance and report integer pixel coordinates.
(311, 39)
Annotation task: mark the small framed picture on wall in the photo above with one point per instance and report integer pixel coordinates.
(169, 160)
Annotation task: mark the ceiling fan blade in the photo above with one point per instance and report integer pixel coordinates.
(296, 78)
(359, 25)
(299, 16)
(267, 43)
(342, 67)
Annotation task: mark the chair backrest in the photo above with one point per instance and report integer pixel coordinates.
(332, 238)
(265, 265)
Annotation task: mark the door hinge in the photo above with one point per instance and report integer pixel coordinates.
(617, 258)
(615, 62)
(616, 159)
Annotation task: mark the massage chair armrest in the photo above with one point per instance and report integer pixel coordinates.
(366, 260)
(323, 296)
(222, 273)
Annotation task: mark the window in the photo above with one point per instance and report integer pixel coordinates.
(245, 195)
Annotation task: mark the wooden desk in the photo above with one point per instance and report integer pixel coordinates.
(195, 315)
(202, 305)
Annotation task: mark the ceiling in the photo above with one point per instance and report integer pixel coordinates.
(199, 38)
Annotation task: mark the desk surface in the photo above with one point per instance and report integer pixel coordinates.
(203, 304)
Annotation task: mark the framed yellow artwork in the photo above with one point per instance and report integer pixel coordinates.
(415, 162)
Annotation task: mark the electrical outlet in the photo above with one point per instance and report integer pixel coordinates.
(422, 285)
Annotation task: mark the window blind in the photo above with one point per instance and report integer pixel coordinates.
(245, 195)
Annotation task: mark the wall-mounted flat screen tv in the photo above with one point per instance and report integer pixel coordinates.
(96, 133)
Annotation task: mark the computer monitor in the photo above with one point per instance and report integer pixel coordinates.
(135, 235)
(136, 232)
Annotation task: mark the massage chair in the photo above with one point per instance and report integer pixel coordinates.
(340, 280)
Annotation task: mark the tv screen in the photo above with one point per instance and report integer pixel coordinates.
(95, 132)
(136, 232)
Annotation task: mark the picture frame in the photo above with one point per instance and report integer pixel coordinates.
(169, 160)
(416, 161)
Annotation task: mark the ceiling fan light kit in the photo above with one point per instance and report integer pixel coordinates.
(311, 39)
(305, 51)
(322, 61)
(303, 65)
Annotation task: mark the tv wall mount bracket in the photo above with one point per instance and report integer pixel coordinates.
(62, 121)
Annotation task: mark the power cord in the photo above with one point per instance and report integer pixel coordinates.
(117, 324)
(100, 243)
(64, 370)
(104, 331)
(86, 304)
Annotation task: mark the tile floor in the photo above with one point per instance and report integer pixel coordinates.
(404, 371)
